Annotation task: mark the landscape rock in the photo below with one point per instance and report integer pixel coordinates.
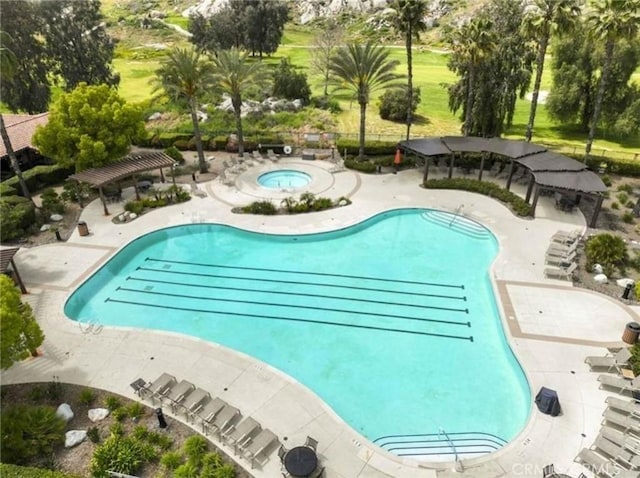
(56, 217)
(597, 268)
(64, 411)
(133, 215)
(73, 437)
(98, 414)
(154, 116)
(601, 278)
(625, 282)
(45, 227)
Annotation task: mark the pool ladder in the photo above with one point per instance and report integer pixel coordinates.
(457, 463)
(456, 213)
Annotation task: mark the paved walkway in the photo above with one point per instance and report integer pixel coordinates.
(550, 325)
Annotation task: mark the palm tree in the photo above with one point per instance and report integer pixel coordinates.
(363, 69)
(8, 63)
(542, 19)
(472, 42)
(186, 76)
(235, 74)
(409, 20)
(610, 21)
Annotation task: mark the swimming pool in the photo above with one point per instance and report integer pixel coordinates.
(392, 322)
(284, 178)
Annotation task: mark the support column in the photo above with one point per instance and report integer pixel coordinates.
(135, 187)
(510, 177)
(535, 202)
(23, 289)
(596, 212)
(161, 176)
(426, 170)
(104, 201)
(453, 157)
(484, 155)
(532, 181)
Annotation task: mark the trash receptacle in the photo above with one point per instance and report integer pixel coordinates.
(83, 229)
(627, 291)
(631, 332)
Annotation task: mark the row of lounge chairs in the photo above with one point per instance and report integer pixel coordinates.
(616, 450)
(216, 416)
(562, 253)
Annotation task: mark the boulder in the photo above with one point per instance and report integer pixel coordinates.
(73, 437)
(154, 116)
(56, 217)
(597, 268)
(64, 411)
(625, 282)
(601, 278)
(98, 414)
(45, 227)
(132, 216)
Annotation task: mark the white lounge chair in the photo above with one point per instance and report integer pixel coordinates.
(563, 250)
(178, 393)
(272, 156)
(161, 385)
(609, 448)
(223, 419)
(626, 441)
(628, 406)
(609, 361)
(237, 434)
(194, 401)
(596, 463)
(561, 273)
(256, 446)
(566, 237)
(627, 422)
(618, 382)
(209, 410)
(560, 260)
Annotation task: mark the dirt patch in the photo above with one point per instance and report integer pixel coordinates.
(77, 460)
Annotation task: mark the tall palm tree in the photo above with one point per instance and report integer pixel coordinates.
(409, 20)
(544, 18)
(8, 67)
(472, 42)
(363, 69)
(235, 74)
(610, 21)
(186, 76)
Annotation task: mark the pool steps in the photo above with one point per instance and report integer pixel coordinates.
(436, 446)
(457, 222)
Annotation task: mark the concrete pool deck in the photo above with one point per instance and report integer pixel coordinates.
(550, 325)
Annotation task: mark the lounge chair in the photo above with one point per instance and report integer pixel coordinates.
(208, 411)
(222, 419)
(566, 237)
(609, 448)
(595, 462)
(561, 273)
(257, 156)
(627, 422)
(194, 401)
(272, 156)
(559, 260)
(618, 382)
(628, 406)
(311, 443)
(236, 434)
(563, 250)
(609, 361)
(256, 446)
(178, 393)
(626, 441)
(161, 385)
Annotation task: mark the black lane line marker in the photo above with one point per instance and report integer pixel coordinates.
(277, 281)
(294, 306)
(325, 274)
(300, 294)
(291, 319)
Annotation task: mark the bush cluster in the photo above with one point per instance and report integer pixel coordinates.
(371, 148)
(518, 205)
(393, 103)
(38, 177)
(173, 195)
(265, 208)
(306, 203)
(15, 471)
(362, 166)
(17, 216)
(608, 250)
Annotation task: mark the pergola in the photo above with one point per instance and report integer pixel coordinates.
(6, 260)
(547, 170)
(129, 166)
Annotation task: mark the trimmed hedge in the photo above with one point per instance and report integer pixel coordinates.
(39, 177)
(15, 471)
(518, 205)
(7, 190)
(371, 148)
(17, 215)
(362, 166)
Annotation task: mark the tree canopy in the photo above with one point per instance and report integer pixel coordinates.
(89, 127)
(21, 334)
(63, 42)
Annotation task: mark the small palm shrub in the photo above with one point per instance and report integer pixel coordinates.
(86, 397)
(615, 205)
(112, 402)
(120, 413)
(136, 410)
(94, 434)
(171, 460)
(608, 250)
(122, 455)
(186, 470)
(266, 208)
(628, 188)
(195, 448)
(622, 197)
(628, 217)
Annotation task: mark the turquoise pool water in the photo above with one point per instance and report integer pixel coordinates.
(392, 322)
(284, 178)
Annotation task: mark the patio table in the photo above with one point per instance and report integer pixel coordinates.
(300, 461)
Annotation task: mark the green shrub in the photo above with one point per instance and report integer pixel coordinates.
(117, 429)
(7, 190)
(393, 103)
(371, 148)
(326, 103)
(122, 455)
(289, 83)
(52, 202)
(322, 203)
(630, 204)
(136, 410)
(518, 205)
(186, 470)
(112, 402)
(162, 441)
(301, 207)
(29, 432)
(607, 250)
(181, 144)
(120, 413)
(622, 197)
(15, 471)
(135, 207)
(87, 396)
(628, 217)
(607, 180)
(615, 205)
(627, 188)
(195, 448)
(225, 471)
(39, 176)
(219, 143)
(54, 390)
(94, 434)
(17, 216)
(362, 166)
(171, 460)
(175, 154)
(635, 350)
(266, 208)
